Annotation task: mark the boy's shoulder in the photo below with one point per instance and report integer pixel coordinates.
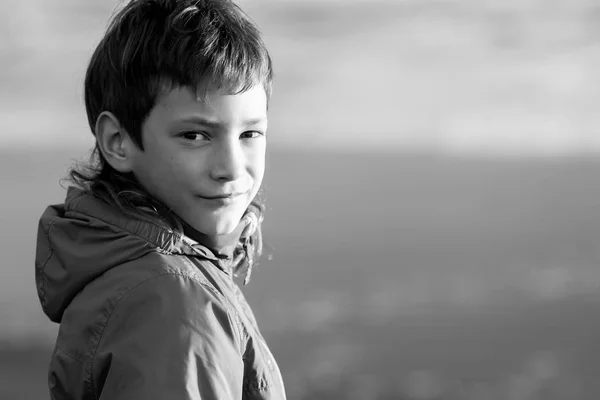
(175, 280)
(155, 267)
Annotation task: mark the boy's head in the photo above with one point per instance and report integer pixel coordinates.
(152, 46)
(176, 95)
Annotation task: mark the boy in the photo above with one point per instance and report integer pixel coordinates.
(137, 265)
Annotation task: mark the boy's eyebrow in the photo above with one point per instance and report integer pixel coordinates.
(254, 121)
(215, 124)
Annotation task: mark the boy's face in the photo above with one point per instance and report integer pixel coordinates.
(205, 160)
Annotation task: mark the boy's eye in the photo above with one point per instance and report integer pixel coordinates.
(194, 136)
(251, 135)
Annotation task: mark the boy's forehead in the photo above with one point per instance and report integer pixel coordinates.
(186, 100)
(203, 88)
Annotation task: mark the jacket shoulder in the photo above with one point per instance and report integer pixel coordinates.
(86, 317)
(152, 293)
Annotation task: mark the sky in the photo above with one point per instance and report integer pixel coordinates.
(490, 77)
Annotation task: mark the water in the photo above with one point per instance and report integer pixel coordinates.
(405, 272)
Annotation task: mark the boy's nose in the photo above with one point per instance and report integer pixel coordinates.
(229, 161)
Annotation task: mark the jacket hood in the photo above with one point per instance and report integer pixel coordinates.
(85, 237)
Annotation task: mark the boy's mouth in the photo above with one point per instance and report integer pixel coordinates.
(224, 196)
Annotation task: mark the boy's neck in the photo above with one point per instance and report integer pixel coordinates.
(222, 246)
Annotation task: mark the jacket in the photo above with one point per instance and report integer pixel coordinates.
(143, 315)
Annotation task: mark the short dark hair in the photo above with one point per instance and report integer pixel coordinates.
(153, 45)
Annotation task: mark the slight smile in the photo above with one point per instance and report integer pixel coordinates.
(221, 200)
(224, 196)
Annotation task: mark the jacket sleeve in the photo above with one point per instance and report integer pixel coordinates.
(169, 338)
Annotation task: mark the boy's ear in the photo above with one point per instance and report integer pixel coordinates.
(115, 143)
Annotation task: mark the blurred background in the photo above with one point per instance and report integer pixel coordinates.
(432, 193)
